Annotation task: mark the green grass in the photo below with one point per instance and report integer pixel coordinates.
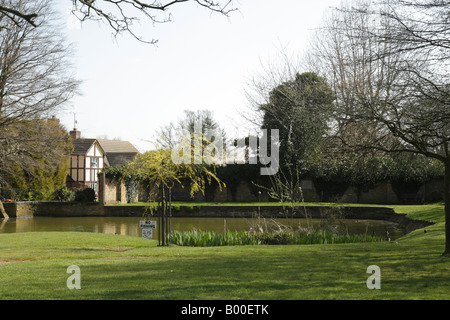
(430, 212)
(33, 266)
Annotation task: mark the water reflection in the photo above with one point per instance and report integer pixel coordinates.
(130, 225)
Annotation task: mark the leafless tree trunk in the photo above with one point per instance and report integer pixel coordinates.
(2, 208)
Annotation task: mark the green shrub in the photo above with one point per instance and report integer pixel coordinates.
(85, 195)
(62, 194)
(7, 193)
(32, 195)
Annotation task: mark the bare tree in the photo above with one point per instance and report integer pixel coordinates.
(273, 72)
(388, 65)
(119, 15)
(35, 74)
(419, 25)
(35, 83)
(172, 134)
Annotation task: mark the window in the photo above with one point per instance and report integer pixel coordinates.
(94, 175)
(94, 162)
(94, 186)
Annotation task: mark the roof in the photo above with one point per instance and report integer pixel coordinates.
(117, 146)
(118, 152)
(82, 146)
(117, 159)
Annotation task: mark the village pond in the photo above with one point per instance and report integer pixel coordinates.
(130, 225)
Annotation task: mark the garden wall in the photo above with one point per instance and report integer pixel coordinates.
(111, 192)
(77, 209)
(382, 193)
(22, 209)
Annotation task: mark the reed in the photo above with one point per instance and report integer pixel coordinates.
(198, 238)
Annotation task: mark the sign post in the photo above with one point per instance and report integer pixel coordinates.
(147, 227)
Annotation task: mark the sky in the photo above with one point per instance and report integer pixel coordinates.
(202, 61)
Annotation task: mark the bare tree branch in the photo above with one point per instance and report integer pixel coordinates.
(120, 15)
(13, 13)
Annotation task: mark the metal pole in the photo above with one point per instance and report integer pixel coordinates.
(159, 225)
(259, 204)
(163, 205)
(167, 220)
(170, 212)
(160, 218)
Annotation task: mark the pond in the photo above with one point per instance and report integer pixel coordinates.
(130, 225)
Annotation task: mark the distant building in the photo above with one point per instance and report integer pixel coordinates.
(90, 156)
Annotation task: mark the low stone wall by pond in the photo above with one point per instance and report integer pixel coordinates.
(52, 209)
(20, 209)
(76, 209)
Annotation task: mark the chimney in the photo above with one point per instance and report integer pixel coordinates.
(75, 134)
(55, 119)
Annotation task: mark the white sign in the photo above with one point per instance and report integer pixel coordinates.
(147, 233)
(147, 224)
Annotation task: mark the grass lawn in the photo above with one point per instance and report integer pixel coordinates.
(34, 265)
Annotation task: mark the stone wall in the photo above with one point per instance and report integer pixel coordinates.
(114, 192)
(23, 209)
(382, 193)
(77, 209)
(111, 192)
(432, 190)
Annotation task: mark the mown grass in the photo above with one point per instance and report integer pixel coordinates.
(429, 212)
(34, 265)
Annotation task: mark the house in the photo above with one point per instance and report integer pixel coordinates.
(90, 156)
